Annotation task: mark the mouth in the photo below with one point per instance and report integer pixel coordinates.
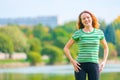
(87, 22)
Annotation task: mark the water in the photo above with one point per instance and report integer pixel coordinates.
(63, 72)
(57, 69)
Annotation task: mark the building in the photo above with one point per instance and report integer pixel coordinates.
(50, 21)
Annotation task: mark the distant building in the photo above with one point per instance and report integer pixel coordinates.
(48, 21)
(51, 21)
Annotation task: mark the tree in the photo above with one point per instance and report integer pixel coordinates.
(18, 38)
(6, 44)
(116, 23)
(112, 51)
(41, 32)
(55, 54)
(102, 25)
(69, 27)
(60, 37)
(110, 34)
(27, 30)
(34, 57)
(118, 41)
(35, 45)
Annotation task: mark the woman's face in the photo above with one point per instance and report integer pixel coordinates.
(86, 19)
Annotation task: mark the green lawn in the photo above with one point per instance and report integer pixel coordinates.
(11, 61)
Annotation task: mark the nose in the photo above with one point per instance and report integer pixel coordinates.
(86, 19)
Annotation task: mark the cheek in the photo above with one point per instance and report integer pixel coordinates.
(90, 19)
(83, 21)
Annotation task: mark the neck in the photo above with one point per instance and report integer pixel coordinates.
(88, 29)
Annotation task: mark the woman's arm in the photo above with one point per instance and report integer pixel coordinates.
(67, 47)
(105, 47)
(68, 54)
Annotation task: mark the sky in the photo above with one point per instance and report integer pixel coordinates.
(65, 10)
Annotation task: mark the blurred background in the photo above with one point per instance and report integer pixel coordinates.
(34, 32)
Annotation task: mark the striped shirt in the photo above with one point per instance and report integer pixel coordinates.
(88, 44)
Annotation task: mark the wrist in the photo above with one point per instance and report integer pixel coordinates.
(104, 60)
(71, 60)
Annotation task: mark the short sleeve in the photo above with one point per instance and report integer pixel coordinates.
(75, 36)
(101, 35)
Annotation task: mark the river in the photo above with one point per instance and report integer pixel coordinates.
(57, 69)
(54, 72)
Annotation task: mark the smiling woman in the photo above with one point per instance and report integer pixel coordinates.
(88, 38)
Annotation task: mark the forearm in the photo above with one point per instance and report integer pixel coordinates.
(67, 49)
(105, 54)
(105, 47)
(74, 63)
(68, 54)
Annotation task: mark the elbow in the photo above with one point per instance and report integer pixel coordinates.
(64, 49)
(107, 47)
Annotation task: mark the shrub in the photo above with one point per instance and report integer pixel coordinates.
(34, 57)
(54, 53)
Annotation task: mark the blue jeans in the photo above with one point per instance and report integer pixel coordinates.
(92, 69)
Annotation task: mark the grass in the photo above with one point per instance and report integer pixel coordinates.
(22, 61)
(11, 61)
(119, 57)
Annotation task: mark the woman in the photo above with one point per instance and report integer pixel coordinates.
(88, 38)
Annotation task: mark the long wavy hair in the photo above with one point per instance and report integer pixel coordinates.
(95, 23)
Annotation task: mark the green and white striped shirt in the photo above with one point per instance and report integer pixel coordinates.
(88, 45)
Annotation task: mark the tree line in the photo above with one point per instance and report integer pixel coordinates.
(39, 40)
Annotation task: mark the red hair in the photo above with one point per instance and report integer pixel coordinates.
(95, 23)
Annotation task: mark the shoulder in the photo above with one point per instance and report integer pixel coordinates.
(77, 31)
(76, 35)
(98, 30)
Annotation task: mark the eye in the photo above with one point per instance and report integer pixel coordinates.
(88, 17)
(83, 18)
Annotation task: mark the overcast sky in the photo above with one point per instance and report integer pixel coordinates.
(66, 10)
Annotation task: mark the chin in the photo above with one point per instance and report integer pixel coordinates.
(87, 25)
